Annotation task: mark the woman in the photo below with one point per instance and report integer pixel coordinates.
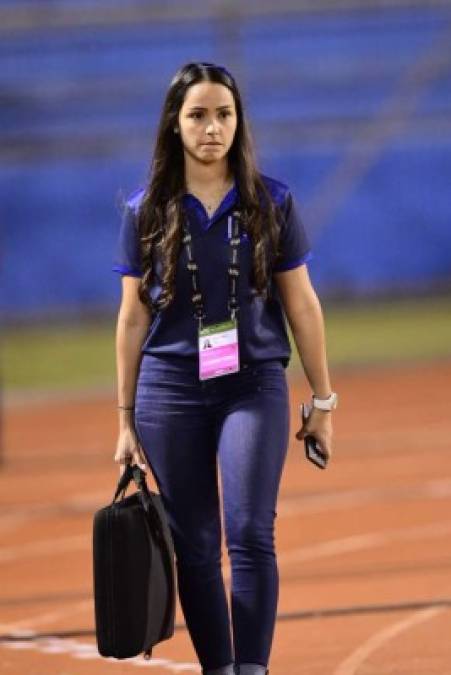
(212, 253)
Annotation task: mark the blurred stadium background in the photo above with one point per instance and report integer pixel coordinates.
(349, 102)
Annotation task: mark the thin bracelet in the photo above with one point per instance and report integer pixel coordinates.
(123, 407)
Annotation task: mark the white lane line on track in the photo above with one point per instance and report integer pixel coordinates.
(358, 542)
(45, 547)
(11, 521)
(26, 626)
(420, 435)
(85, 651)
(365, 541)
(435, 489)
(80, 503)
(88, 503)
(350, 665)
(83, 542)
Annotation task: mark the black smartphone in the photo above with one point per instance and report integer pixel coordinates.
(313, 450)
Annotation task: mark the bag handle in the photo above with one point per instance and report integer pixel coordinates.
(132, 472)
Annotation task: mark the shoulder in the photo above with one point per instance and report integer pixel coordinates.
(134, 200)
(279, 191)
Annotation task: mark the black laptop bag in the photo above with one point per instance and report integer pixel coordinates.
(134, 580)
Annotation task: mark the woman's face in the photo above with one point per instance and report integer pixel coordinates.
(207, 121)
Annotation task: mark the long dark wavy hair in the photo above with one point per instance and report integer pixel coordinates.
(161, 211)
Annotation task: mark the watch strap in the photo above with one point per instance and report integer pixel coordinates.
(325, 403)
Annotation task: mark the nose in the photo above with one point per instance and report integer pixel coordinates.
(211, 128)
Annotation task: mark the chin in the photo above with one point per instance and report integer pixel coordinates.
(212, 158)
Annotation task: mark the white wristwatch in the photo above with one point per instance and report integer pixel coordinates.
(327, 404)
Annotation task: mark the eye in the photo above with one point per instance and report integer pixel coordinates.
(225, 113)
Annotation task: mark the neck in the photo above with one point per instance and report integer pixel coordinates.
(203, 176)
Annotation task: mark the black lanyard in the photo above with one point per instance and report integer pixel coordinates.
(233, 270)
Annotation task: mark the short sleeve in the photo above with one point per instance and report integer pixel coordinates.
(293, 244)
(127, 260)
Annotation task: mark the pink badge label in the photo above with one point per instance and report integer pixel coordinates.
(218, 350)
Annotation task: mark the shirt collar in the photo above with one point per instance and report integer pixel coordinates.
(194, 205)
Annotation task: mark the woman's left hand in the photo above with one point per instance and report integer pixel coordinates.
(319, 425)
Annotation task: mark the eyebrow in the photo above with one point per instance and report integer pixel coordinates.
(220, 107)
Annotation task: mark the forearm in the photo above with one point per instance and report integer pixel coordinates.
(129, 339)
(309, 336)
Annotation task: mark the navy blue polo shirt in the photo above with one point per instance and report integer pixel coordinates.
(261, 323)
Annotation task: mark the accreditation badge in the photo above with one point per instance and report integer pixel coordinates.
(218, 350)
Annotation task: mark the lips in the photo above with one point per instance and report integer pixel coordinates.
(211, 143)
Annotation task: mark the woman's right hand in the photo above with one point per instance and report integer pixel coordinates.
(129, 451)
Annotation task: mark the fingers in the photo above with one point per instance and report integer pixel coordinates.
(304, 431)
(322, 438)
(139, 459)
(325, 444)
(122, 460)
(301, 433)
(133, 455)
(135, 459)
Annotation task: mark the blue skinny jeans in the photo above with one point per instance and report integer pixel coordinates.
(189, 429)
